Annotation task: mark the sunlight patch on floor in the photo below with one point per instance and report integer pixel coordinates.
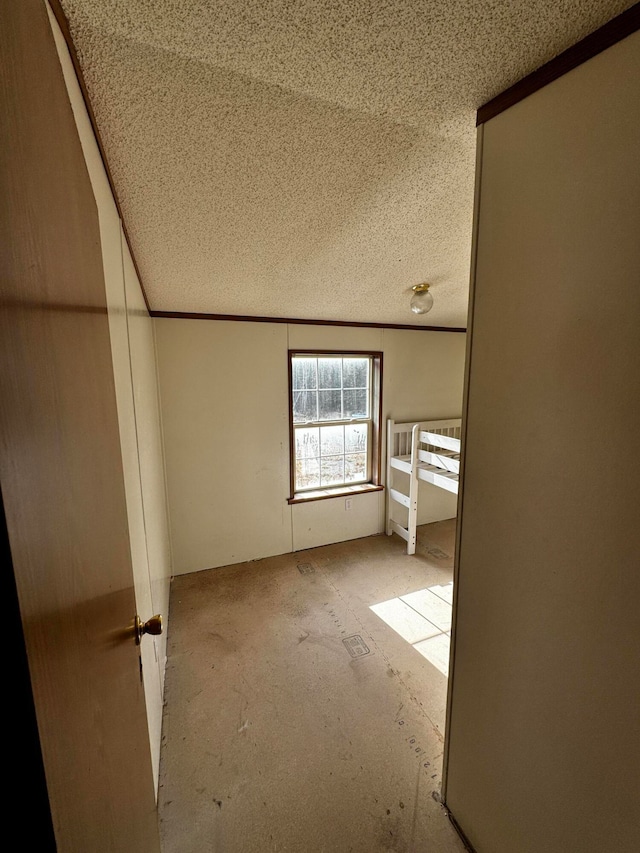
(423, 619)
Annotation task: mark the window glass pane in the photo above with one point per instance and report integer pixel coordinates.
(304, 406)
(330, 405)
(304, 373)
(332, 470)
(307, 442)
(331, 440)
(355, 467)
(356, 404)
(355, 438)
(307, 473)
(355, 372)
(328, 388)
(329, 373)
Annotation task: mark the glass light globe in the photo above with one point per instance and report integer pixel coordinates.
(422, 300)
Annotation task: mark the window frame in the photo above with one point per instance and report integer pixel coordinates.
(374, 482)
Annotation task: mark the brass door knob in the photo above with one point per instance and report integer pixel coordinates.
(151, 626)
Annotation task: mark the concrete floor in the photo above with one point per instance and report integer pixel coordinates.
(280, 736)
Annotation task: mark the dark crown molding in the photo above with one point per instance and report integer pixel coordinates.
(186, 315)
(612, 32)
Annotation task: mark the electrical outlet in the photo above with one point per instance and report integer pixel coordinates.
(348, 504)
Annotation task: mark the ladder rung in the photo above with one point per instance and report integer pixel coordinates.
(399, 497)
(401, 531)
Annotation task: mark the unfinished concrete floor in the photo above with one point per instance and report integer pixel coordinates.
(280, 736)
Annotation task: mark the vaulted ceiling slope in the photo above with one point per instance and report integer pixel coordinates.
(306, 158)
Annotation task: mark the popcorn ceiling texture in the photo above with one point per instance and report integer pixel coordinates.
(306, 158)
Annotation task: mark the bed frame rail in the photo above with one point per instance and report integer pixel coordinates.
(425, 450)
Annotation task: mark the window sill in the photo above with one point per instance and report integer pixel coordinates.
(339, 492)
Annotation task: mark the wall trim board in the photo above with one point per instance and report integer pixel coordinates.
(613, 31)
(463, 437)
(468, 846)
(190, 315)
(63, 23)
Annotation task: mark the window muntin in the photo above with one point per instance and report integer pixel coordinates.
(332, 420)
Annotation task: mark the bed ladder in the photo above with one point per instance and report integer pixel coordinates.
(426, 450)
(400, 452)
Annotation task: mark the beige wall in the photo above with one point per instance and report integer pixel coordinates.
(224, 390)
(224, 410)
(133, 354)
(544, 730)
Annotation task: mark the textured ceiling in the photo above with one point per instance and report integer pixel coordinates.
(306, 158)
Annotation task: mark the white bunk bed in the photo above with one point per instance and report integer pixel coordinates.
(427, 451)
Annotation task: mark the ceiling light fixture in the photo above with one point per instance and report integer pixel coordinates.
(422, 300)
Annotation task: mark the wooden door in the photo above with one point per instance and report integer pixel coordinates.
(60, 462)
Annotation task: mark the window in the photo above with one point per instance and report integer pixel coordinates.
(335, 420)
